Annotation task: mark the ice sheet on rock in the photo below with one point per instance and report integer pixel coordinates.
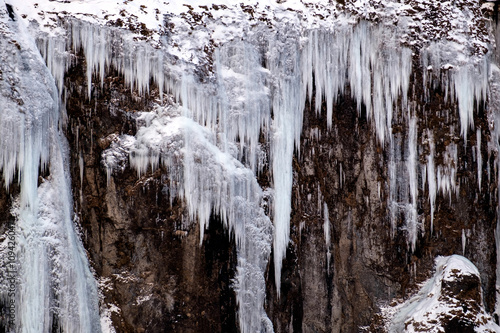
(403, 170)
(55, 277)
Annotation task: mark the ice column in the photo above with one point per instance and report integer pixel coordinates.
(412, 165)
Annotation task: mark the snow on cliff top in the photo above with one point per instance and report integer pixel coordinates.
(422, 20)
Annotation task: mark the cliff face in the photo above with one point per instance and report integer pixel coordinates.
(286, 167)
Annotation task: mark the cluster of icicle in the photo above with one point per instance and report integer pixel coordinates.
(54, 284)
(244, 99)
(209, 180)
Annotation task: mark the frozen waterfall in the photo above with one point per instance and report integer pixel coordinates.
(54, 287)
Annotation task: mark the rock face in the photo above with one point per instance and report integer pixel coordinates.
(382, 140)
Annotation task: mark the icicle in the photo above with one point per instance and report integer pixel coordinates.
(326, 230)
(411, 219)
(287, 105)
(81, 166)
(466, 82)
(394, 160)
(446, 173)
(431, 176)
(464, 242)
(479, 158)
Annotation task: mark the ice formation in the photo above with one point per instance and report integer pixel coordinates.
(256, 84)
(55, 285)
(431, 177)
(209, 180)
(327, 233)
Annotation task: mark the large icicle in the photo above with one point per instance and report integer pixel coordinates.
(288, 102)
(412, 165)
(431, 177)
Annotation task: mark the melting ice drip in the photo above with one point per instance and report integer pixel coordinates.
(54, 278)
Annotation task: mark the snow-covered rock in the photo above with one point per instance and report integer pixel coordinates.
(450, 301)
